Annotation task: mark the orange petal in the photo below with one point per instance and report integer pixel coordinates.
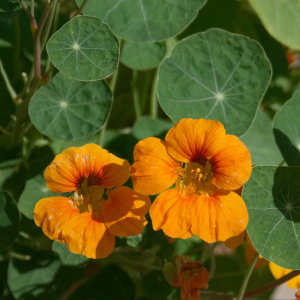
(279, 272)
(170, 212)
(191, 140)
(124, 212)
(219, 217)
(89, 161)
(88, 236)
(153, 170)
(232, 165)
(51, 213)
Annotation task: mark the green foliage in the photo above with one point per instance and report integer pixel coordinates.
(84, 49)
(142, 56)
(271, 196)
(67, 109)
(281, 19)
(145, 20)
(287, 133)
(9, 221)
(201, 79)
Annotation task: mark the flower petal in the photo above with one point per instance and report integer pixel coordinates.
(170, 212)
(153, 170)
(219, 217)
(89, 161)
(124, 212)
(51, 213)
(234, 241)
(191, 140)
(279, 272)
(232, 165)
(88, 236)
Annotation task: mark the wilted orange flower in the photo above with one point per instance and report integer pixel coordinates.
(207, 165)
(190, 276)
(88, 221)
(279, 272)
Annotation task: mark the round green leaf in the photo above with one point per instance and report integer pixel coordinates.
(68, 258)
(272, 198)
(67, 109)
(145, 20)
(146, 127)
(142, 56)
(35, 190)
(287, 132)
(31, 281)
(215, 75)
(9, 221)
(84, 49)
(261, 142)
(281, 19)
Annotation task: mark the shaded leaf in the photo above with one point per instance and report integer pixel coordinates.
(67, 109)
(9, 221)
(215, 75)
(272, 198)
(84, 49)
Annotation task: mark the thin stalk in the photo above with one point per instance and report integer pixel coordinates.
(8, 85)
(135, 92)
(17, 47)
(32, 7)
(113, 84)
(37, 42)
(82, 7)
(153, 99)
(272, 285)
(245, 282)
(32, 20)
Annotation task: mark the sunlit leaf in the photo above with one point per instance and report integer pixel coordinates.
(35, 189)
(66, 257)
(261, 142)
(142, 56)
(9, 221)
(215, 75)
(287, 130)
(68, 109)
(272, 198)
(84, 49)
(281, 19)
(145, 20)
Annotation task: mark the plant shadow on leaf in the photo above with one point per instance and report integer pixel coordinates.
(289, 152)
(285, 192)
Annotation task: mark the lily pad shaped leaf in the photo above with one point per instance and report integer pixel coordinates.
(9, 221)
(272, 199)
(145, 20)
(84, 49)
(287, 132)
(215, 75)
(67, 109)
(281, 18)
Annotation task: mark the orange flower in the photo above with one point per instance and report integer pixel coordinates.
(190, 276)
(88, 221)
(207, 165)
(279, 272)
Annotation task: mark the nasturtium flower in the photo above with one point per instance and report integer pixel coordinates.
(279, 272)
(207, 165)
(89, 219)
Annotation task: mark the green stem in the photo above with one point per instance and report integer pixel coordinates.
(17, 47)
(153, 99)
(245, 282)
(32, 8)
(136, 98)
(82, 7)
(8, 85)
(113, 84)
